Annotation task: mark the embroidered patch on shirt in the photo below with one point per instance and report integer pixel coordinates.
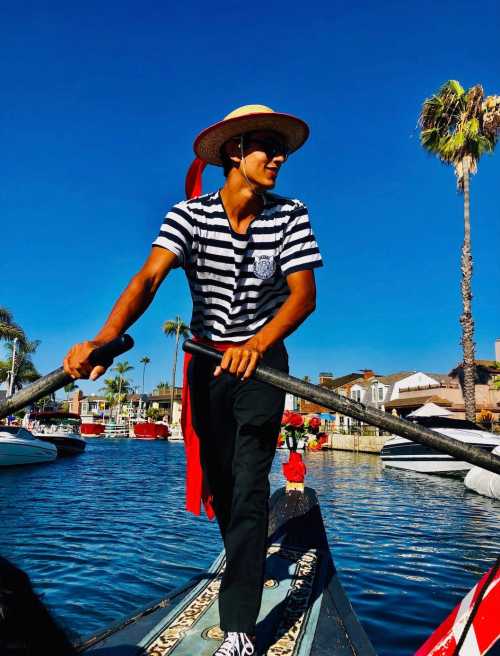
(264, 266)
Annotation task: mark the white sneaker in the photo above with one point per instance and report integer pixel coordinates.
(236, 644)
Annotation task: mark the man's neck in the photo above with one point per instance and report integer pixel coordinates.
(241, 203)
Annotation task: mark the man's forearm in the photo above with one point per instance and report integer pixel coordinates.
(288, 318)
(128, 308)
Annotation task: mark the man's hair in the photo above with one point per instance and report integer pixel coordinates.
(227, 162)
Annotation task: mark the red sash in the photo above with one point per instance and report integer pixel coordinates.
(197, 489)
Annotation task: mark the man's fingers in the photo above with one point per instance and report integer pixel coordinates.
(254, 359)
(245, 357)
(235, 361)
(217, 371)
(96, 372)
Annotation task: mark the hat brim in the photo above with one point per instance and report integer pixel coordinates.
(208, 143)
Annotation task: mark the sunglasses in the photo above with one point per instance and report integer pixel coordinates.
(270, 147)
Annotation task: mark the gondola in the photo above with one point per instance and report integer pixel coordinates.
(305, 611)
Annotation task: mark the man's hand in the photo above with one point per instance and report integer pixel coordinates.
(241, 361)
(76, 362)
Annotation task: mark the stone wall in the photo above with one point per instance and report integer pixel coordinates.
(363, 443)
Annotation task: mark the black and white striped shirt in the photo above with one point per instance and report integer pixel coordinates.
(238, 282)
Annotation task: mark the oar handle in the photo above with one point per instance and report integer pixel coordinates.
(103, 355)
(325, 397)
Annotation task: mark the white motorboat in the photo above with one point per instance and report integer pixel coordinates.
(484, 482)
(60, 428)
(19, 447)
(402, 453)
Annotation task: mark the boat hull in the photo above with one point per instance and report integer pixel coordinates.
(25, 452)
(304, 612)
(401, 453)
(66, 445)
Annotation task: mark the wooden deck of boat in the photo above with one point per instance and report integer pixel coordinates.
(304, 612)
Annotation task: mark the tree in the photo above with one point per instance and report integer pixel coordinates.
(24, 371)
(70, 387)
(117, 387)
(9, 330)
(144, 361)
(458, 126)
(122, 368)
(178, 328)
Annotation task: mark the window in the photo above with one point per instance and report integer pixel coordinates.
(380, 393)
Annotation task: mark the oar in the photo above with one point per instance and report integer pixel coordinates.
(103, 355)
(372, 416)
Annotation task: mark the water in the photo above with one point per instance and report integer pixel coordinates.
(105, 533)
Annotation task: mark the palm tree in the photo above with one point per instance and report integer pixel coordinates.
(9, 330)
(18, 368)
(144, 361)
(178, 328)
(70, 387)
(161, 387)
(122, 368)
(458, 126)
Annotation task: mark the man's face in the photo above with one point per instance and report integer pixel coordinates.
(264, 152)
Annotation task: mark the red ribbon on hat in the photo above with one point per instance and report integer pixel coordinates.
(193, 178)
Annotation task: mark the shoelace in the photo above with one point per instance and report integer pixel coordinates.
(236, 644)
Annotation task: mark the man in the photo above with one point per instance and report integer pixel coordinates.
(249, 258)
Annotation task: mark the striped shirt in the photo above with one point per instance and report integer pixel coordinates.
(238, 282)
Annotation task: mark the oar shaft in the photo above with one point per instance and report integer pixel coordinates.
(59, 378)
(366, 414)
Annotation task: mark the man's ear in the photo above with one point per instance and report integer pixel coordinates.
(232, 149)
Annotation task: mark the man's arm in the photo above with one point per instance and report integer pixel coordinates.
(299, 305)
(128, 308)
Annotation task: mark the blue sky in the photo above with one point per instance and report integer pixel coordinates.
(100, 106)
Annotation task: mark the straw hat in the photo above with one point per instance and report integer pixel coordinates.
(249, 118)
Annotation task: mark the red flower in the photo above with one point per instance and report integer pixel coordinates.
(285, 418)
(295, 420)
(294, 470)
(314, 422)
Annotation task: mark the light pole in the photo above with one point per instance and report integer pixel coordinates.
(12, 369)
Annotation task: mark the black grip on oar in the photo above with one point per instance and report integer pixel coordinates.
(325, 397)
(104, 355)
(59, 378)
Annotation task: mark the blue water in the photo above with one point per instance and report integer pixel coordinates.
(105, 533)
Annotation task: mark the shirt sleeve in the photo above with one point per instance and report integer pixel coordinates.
(300, 250)
(176, 233)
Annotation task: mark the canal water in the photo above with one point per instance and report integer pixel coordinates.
(105, 533)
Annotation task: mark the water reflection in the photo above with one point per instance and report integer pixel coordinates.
(105, 533)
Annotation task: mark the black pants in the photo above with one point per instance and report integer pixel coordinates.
(238, 426)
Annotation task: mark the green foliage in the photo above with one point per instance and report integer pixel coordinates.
(155, 414)
(453, 127)
(9, 330)
(24, 369)
(171, 326)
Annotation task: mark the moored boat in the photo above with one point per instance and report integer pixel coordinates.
(92, 429)
(59, 428)
(484, 482)
(402, 453)
(304, 611)
(151, 431)
(19, 447)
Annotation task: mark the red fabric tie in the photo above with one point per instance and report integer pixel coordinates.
(193, 178)
(197, 490)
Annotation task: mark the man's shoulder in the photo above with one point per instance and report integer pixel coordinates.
(198, 205)
(283, 205)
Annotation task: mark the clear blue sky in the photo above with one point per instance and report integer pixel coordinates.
(100, 105)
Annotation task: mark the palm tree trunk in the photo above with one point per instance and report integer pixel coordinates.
(466, 319)
(119, 401)
(172, 390)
